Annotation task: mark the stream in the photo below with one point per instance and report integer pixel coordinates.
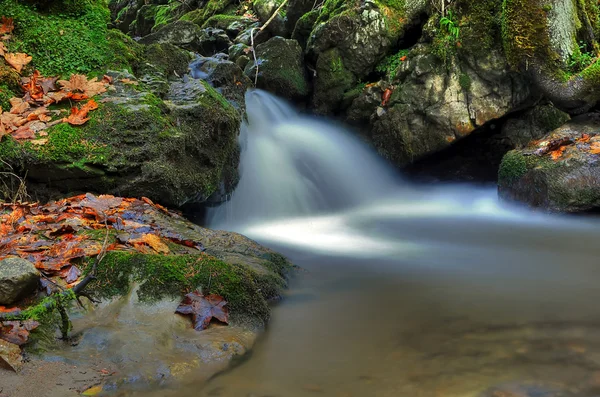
(408, 290)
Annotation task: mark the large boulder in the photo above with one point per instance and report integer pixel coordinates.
(280, 64)
(212, 41)
(265, 9)
(517, 131)
(223, 75)
(434, 105)
(561, 172)
(18, 278)
(183, 34)
(173, 152)
(376, 28)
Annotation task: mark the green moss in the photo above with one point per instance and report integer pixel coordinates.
(165, 14)
(222, 21)
(210, 9)
(61, 42)
(174, 275)
(525, 33)
(479, 24)
(390, 64)
(331, 8)
(592, 72)
(5, 94)
(513, 166)
(464, 80)
(395, 14)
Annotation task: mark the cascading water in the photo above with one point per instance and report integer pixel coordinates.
(297, 166)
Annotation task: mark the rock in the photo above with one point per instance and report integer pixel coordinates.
(569, 183)
(245, 37)
(264, 10)
(376, 28)
(174, 153)
(533, 124)
(280, 68)
(124, 12)
(304, 26)
(212, 41)
(18, 279)
(295, 10)
(232, 24)
(456, 99)
(145, 19)
(206, 10)
(225, 76)
(237, 50)
(181, 33)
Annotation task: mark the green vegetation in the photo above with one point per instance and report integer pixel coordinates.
(71, 37)
(389, 65)
(464, 80)
(247, 291)
(580, 59)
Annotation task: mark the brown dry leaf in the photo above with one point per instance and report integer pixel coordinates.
(6, 25)
(17, 332)
(203, 309)
(129, 82)
(584, 138)
(56, 96)
(10, 354)
(23, 132)
(17, 60)
(82, 88)
(3, 49)
(39, 142)
(156, 243)
(18, 106)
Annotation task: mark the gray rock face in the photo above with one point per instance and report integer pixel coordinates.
(280, 68)
(532, 124)
(18, 278)
(183, 34)
(212, 41)
(566, 179)
(434, 105)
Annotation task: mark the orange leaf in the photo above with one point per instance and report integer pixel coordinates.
(153, 241)
(595, 148)
(584, 138)
(402, 59)
(7, 25)
(17, 60)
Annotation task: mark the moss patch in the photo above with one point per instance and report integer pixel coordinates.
(525, 32)
(174, 275)
(69, 37)
(201, 15)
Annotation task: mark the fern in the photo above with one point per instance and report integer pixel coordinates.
(448, 23)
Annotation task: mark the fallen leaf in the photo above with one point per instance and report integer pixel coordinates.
(595, 148)
(10, 354)
(17, 332)
(92, 391)
(584, 138)
(556, 154)
(129, 82)
(203, 309)
(6, 25)
(17, 60)
(80, 84)
(39, 142)
(3, 49)
(387, 94)
(153, 241)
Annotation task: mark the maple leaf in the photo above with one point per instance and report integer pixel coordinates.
(17, 332)
(17, 60)
(79, 83)
(556, 154)
(203, 309)
(6, 25)
(153, 241)
(18, 106)
(595, 148)
(78, 116)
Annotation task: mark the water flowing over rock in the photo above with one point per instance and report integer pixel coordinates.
(18, 278)
(560, 172)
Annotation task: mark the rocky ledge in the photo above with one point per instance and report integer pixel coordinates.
(143, 259)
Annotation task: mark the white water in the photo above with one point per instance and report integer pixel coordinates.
(308, 184)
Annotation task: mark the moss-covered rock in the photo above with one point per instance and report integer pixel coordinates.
(333, 81)
(569, 182)
(265, 9)
(183, 34)
(532, 124)
(213, 41)
(135, 144)
(304, 26)
(210, 9)
(280, 64)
